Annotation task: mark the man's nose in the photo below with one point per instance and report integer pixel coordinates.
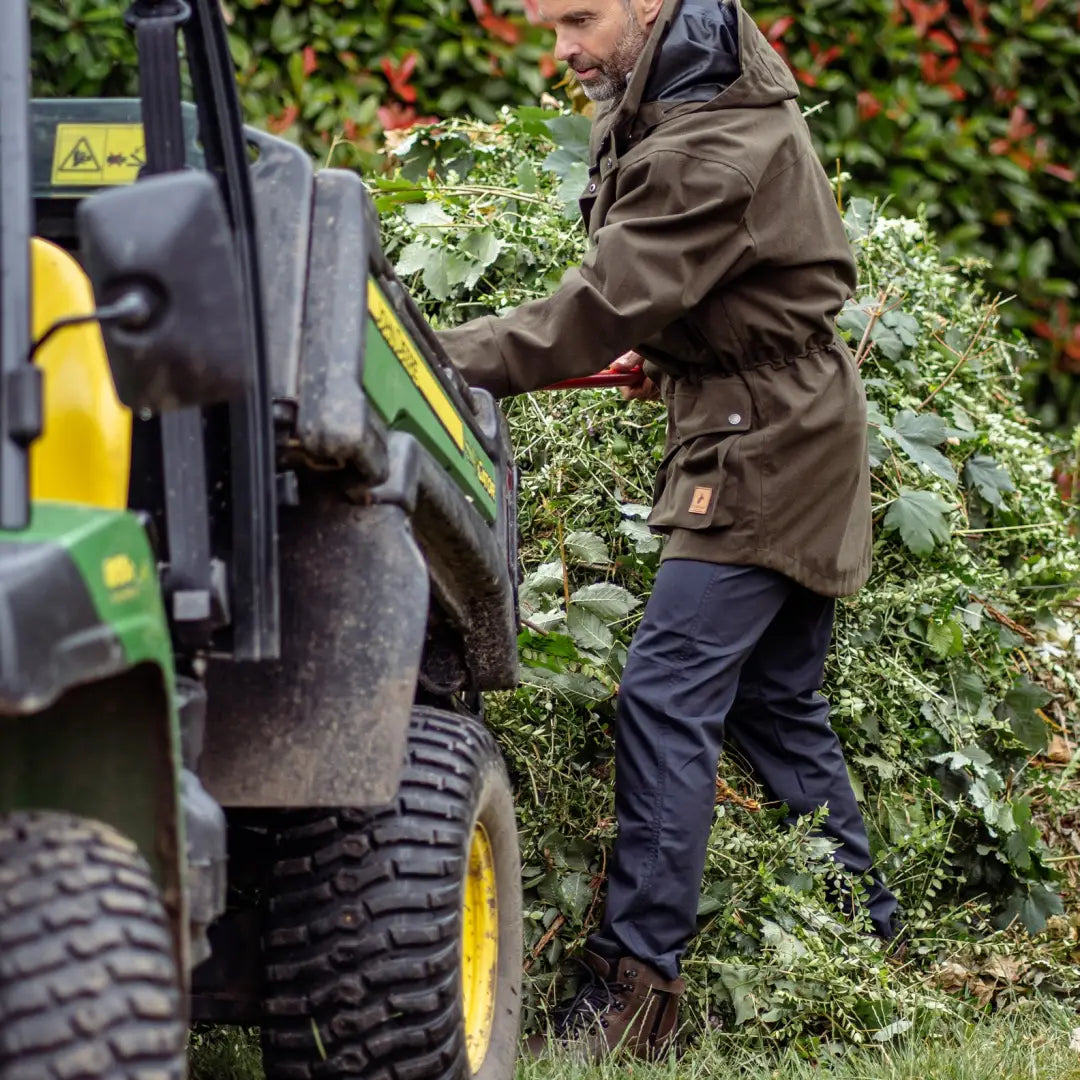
(565, 47)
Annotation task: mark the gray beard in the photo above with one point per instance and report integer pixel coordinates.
(615, 74)
(605, 87)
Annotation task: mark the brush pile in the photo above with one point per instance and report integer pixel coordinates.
(953, 674)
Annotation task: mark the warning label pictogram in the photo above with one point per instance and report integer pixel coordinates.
(80, 159)
(97, 155)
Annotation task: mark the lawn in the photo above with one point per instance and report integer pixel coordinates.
(1038, 1043)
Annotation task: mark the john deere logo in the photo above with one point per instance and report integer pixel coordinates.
(118, 572)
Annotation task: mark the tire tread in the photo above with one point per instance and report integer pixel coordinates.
(88, 984)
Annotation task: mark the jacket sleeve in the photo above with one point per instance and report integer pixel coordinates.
(675, 231)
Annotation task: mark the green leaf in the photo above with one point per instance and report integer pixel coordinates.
(885, 769)
(970, 688)
(905, 326)
(606, 600)
(571, 188)
(890, 1031)
(427, 215)
(888, 342)
(435, 277)
(414, 257)
(526, 177)
(639, 511)
(547, 577)
(1020, 705)
(574, 895)
(589, 631)
(575, 686)
(991, 481)
(1041, 903)
(921, 518)
(974, 757)
(918, 435)
(945, 639)
(738, 980)
(571, 133)
(283, 34)
(859, 217)
(546, 620)
(483, 245)
(879, 452)
(927, 428)
(645, 541)
(586, 547)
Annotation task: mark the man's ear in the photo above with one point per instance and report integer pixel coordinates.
(647, 10)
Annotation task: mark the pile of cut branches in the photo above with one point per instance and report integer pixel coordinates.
(952, 677)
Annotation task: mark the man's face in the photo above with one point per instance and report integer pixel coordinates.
(600, 39)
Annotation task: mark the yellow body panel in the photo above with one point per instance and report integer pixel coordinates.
(84, 453)
(479, 948)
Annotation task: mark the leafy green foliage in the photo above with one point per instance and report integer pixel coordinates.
(326, 69)
(921, 518)
(942, 677)
(965, 112)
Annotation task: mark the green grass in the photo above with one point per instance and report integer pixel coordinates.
(1027, 1045)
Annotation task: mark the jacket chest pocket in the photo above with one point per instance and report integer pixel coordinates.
(697, 484)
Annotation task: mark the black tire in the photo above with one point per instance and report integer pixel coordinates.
(88, 983)
(364, 923)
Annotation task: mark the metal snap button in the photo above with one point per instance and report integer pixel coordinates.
(609, 162)
(592, 187)
(734, 418)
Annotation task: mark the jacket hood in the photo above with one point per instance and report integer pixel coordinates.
(698, 57)
(704, 52)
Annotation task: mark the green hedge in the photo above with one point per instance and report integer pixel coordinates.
(970, 109)
(320, 70)
(967, 108)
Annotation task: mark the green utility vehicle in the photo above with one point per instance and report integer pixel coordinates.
(257, 564)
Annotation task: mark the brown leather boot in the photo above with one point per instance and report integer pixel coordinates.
(623, 1005)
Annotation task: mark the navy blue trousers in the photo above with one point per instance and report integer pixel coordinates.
(720, 648)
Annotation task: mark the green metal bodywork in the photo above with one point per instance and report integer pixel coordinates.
(113, 555)
(400, 401)
(107, 746)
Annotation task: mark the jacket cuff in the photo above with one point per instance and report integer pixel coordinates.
(474, 350)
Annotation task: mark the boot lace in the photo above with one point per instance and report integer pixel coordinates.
(594, 997)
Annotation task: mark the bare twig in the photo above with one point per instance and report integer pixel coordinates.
(990, 312)
(1001, 617)
(565, 572)
(865, 344)
(542, 944)
(596, 883)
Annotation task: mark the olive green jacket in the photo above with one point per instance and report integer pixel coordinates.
(719, 254)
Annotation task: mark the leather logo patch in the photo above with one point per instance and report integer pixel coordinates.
(701, 501)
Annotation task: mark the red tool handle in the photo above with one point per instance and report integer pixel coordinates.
(608, 377)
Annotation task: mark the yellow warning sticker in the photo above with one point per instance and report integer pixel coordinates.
(97, 155)
(401, 345)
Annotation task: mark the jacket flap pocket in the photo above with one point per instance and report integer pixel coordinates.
(720, 405)
(693, 491)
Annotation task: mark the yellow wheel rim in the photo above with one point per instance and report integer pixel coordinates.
(479, 948)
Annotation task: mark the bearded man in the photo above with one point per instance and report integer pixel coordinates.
(719, 261)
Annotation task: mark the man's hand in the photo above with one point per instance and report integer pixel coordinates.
(646, 390)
